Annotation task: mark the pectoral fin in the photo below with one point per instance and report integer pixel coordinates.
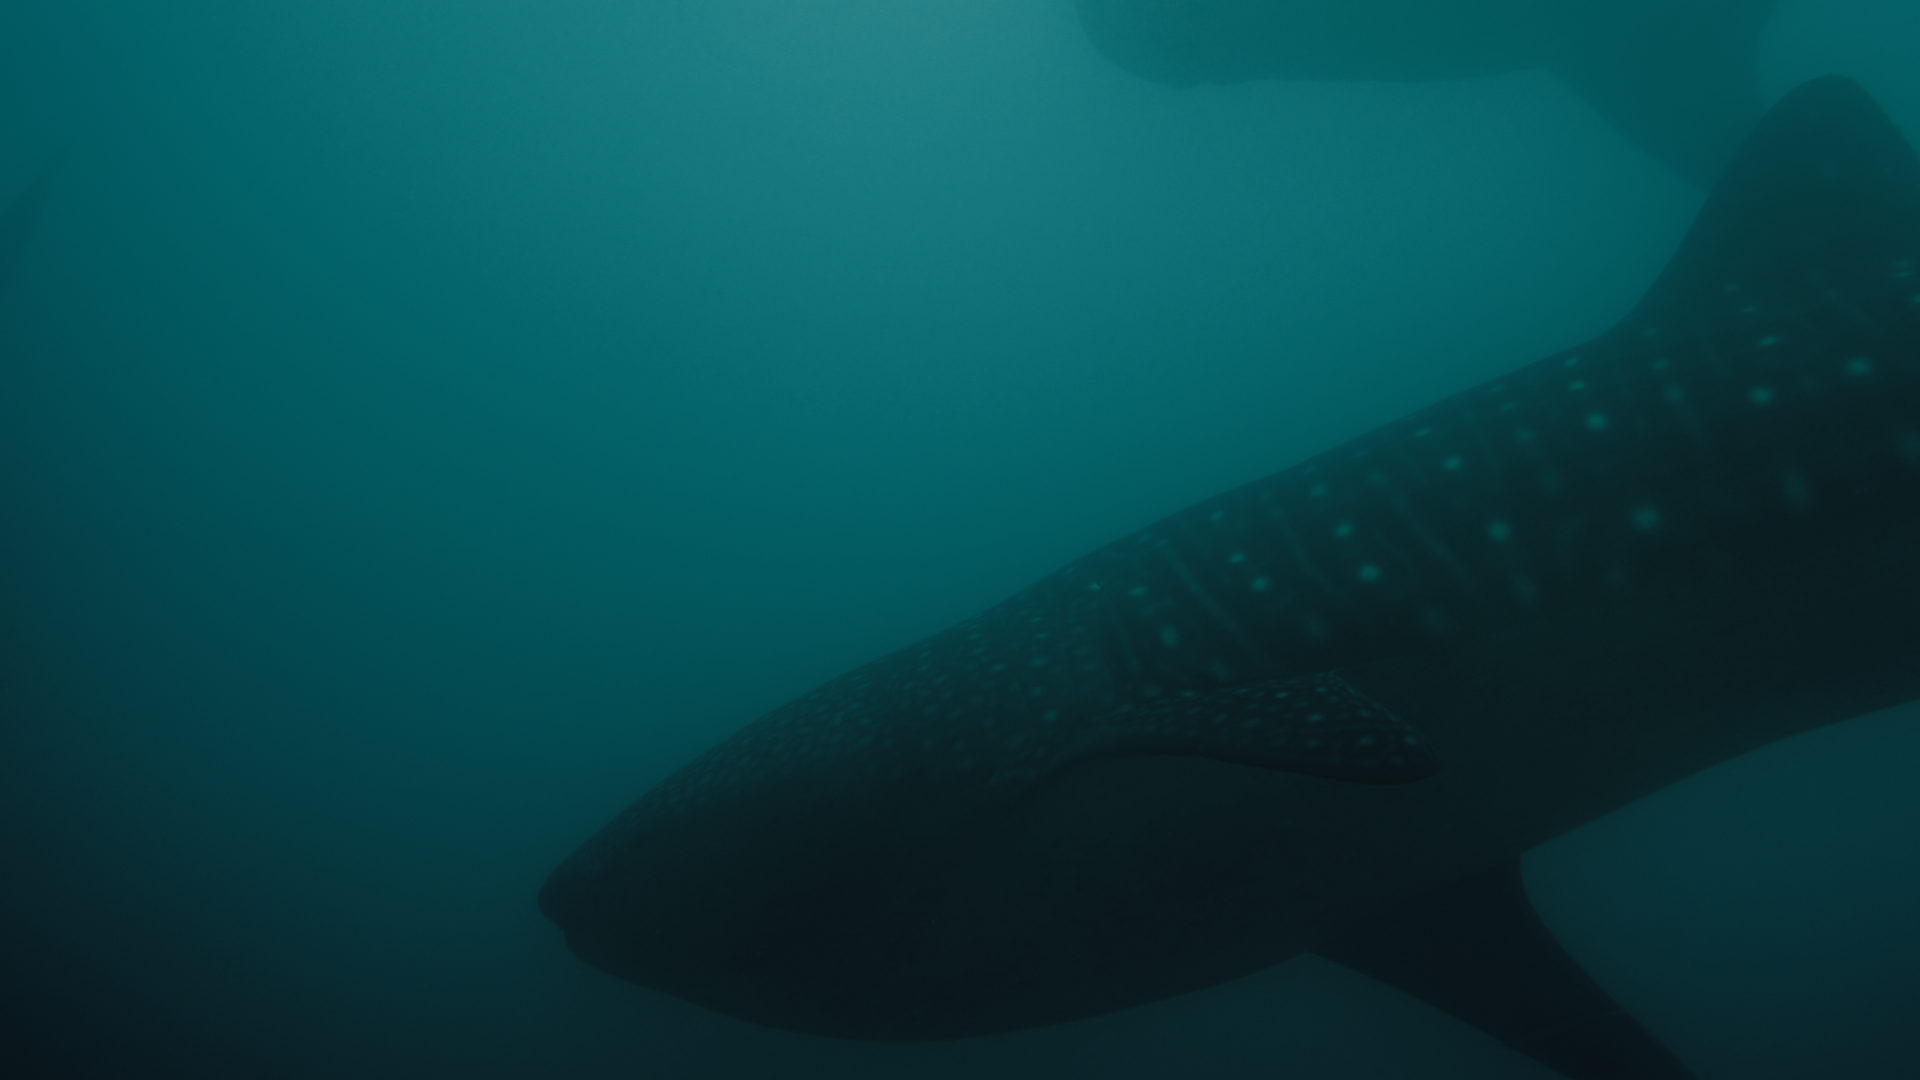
(1479, 951)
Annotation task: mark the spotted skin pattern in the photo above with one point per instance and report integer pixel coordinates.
(1680, 436)
(1731, 472)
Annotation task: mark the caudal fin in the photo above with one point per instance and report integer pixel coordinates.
(1825, 191)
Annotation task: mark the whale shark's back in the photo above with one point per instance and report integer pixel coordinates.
(1823, 191)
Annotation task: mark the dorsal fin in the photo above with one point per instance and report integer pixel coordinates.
(1825, 189)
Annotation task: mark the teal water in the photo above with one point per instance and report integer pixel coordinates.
(425, 424)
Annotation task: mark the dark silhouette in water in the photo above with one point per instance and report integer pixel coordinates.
(1329, 710)
(1674, 76)
(17, 224)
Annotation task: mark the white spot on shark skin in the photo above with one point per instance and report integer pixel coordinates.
(1137, 590)
(1674, 393)
(1499, 532)
(1910, 446)
(1661, 364)
(1260, 584)
(1423, 433)
(1170, 636)
(1523, 435)
(1369, 573)
(1216, 515)
(1597, 421)
(1761, 395)
(1768, 341)
(1317, 490)
(1577, 384)
(1572, 360)
(1859, 367)
(1343, 530)
(1645, 518)
(1237, 557)
(1453, 463)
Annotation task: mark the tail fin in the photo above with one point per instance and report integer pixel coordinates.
(1825, 189)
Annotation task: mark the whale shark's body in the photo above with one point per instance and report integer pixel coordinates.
(1675, 76)
(1329, 710)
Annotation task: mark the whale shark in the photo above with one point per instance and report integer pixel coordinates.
(1328, 711)
(1676, 77)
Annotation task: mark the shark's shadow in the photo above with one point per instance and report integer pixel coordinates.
(1674, 76)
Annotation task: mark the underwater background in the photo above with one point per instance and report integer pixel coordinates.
(425, 424)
